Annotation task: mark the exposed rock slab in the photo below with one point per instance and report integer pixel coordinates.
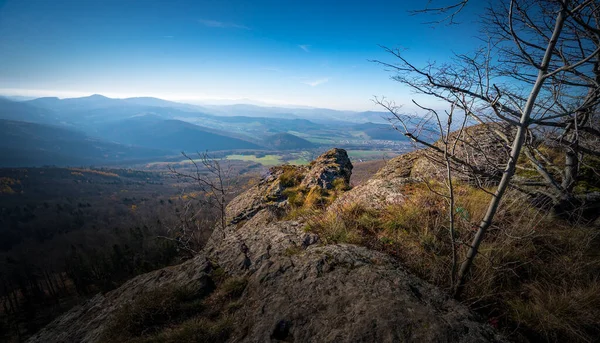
(86, 322)
(298, 290)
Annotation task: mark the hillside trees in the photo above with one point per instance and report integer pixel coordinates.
(538, 74)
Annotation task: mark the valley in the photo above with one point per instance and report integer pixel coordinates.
(135, 132)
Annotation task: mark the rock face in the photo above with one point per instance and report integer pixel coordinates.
(332, 165)
(298, 290)
(480, 146)
(477, 145)
(383, 188)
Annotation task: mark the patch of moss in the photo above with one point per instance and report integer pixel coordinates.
(293, 250)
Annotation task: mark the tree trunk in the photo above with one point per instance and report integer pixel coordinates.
(514, 156)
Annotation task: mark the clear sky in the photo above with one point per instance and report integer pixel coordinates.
(312, 53)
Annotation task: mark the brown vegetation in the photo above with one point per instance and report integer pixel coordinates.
(537, 275)
(174, 314)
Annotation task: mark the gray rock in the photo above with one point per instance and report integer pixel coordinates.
(297, 289)
(333, 164)
(86, 322)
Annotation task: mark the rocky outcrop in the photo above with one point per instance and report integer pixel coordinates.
(87, 322)
(297, 290)
(332, 165)
(383, 188)
(478, 146)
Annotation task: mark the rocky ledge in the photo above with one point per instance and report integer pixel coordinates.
(297, 289)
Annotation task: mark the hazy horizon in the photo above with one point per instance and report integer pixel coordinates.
(307, 53)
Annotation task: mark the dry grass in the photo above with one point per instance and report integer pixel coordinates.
(174, 314)
(291, 176)
(307, 202)
(535, 276)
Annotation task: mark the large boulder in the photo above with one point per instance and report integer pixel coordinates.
(479, 147)
(330, 166)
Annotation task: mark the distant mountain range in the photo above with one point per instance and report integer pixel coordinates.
(98, 129)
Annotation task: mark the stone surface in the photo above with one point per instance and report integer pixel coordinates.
(479, 146)
(86, 322)
(334, 164)
(384, 188)
(299, 290)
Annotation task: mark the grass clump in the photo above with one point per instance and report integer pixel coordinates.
(535, 277)
(173, 314)
(559, 313)
(150, 311)
(192, 331)
(291, 176)
(307, 202)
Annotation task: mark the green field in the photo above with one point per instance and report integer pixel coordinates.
(267, 160)
(370, 154)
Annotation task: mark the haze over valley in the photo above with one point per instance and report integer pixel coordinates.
(97, 130)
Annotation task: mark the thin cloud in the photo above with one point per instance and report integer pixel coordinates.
(304, 47)
(272, 69)
(222, 24)
(316, 82)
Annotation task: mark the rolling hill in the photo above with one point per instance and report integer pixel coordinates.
(286, 141)
(380, 131)
(151, 131)
(13, 110)
(32, 144)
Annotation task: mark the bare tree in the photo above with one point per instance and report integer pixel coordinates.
(448, 13)
(539, 73)
(442, 152)
(212, 183)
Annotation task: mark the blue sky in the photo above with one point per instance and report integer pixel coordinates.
(311, 53)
